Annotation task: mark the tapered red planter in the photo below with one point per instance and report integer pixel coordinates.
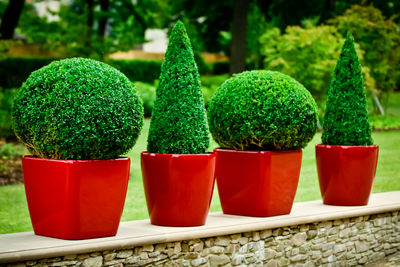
(178, 187)
(257, 183)
(75, 199)
(346, 173)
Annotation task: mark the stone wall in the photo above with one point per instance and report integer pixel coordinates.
(345, 242)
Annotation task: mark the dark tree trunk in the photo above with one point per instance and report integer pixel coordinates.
(101, 32)
(90, 22)
(328, 10)
(10, 18)
(238, 42)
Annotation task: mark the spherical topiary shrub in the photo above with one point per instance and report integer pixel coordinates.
(262, 110)
(77, 109)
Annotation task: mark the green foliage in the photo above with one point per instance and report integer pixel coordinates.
(74, 35)
(262, 110)
(178, 123)
(77, 109)
(257, 25)
(11, 151)
(379, 38)
(15, 70)
(6, 100)
(220, 68)
(210, 84)
(386, 122)
(147, 93)
(307, 54)
(346, 119)
(138, 70)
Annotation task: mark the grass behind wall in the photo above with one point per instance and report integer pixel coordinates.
(14, 215)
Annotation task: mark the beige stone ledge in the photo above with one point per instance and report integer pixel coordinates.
(27, 246)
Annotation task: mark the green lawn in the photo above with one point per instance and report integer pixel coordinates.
(14, 215)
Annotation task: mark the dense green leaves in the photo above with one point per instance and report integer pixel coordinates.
(77, 109)
(346, 120)
(379, 38)
(307, 54)
(262, 110)
(178, 122)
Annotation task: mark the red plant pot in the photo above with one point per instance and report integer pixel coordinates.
(178, 187)
(75, 199)
(346, 173)
(257, 183)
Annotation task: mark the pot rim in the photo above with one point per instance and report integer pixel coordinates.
(254, 151)
(31, 157)
(145, 153)
(344, 147)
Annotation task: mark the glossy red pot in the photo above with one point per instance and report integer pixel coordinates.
(75, 199)
(346, 173)
(257, 183)
(178, 187)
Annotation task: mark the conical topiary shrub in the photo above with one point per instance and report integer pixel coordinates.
(178, 175)
(346, 118)
(346, 159)
(178, 123)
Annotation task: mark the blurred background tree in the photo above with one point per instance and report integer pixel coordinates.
(300, 38)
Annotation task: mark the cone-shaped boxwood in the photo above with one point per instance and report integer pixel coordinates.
(262, 110)
(178, 123)
(77, 109)
(346, 118)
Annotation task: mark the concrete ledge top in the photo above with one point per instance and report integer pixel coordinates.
(27, 246)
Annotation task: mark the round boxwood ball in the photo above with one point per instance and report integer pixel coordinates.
(262, 110)
(77, 109)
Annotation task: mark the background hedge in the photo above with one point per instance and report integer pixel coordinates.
(15, 70)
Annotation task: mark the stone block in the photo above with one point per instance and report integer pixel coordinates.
(299, 238)
(256, 236)
(93, 262)
(363, 260)
(339, 248)
(217, 250)
(218, 260)
(304, 228)
(271, 263)
(243, 240)
(191, 255)
(327, 246)
(298, 258)
(198, 262)
(361, 246)
(124, 254)
(269, 253)
(64, 263)
(161, 247)
(237, 259)
(232, 248)
(265, 233)
(110, 256)
(344, 233)
(69, 257)
(197, 246)
(222, 241)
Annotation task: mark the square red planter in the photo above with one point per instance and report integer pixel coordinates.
(257, 183)
(75, 199)
(178, 187)
(346, 173)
